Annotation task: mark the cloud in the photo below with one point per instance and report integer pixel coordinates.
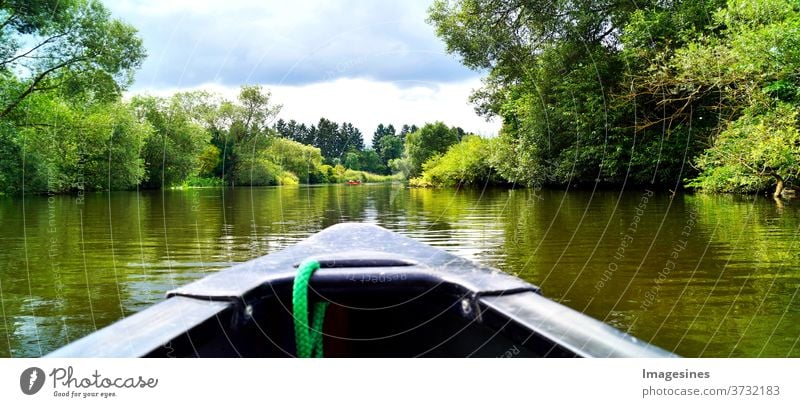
(366, 103)
(286, 42)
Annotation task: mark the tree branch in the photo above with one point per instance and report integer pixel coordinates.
(45, 42)
(33, 87)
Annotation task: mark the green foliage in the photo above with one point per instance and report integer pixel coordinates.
(73, 46)
(364, 176)
(465, 163)
(208, 160)
(747, 67)
(335, 141)
(754, 151)
(65, 148)
(366, 160)
(553, 68)
(371, 162)
(629, 92)
(114, 138)
(202, 182)
(239, 130)
(381, 132)
(401, 166)
(257, 170)
(389, 148)
(171, 154)
(431, 139)
(515, 159)
(305, 162)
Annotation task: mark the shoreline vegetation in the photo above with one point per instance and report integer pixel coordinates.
(684, 94)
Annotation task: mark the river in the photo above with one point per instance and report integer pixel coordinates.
(700, 275)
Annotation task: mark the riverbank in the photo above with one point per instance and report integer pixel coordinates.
(344, 177)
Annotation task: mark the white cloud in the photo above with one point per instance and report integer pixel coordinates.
(366, 103)
(361, 61)
(234, 41)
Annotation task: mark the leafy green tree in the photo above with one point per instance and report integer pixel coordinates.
(303, 161)
(171, 154)
(67, 147)
(209, 161)
(560, 77)
(327, 139)
(390, 148)
(516, 159)
(465, 163)
(365, 160)
(380, 132)
(746, 68)
(431, 139)
(114, 137)
(352, 160)
(238, 128)
(350, 138)
(73, 46)
(406, 129)
(758, 149)
(256, 110)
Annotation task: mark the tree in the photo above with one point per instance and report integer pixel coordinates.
(113, 138)
(746, 68)
(256, 110)
(390, 148)
(350, 138)
(238, 128)
(71, 147)
(303, 161)
(560, 76)
(760, 148)
(380, 132)
(365, 160)
(209, 161)
(406, 129)
(431, 139)
(171, 154)
(328, 139)
(352, 160)
(73, 46)
(465, 163)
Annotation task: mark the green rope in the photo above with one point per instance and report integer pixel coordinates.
(308, 339)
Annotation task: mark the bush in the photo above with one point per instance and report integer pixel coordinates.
(431, 139)
(465, 163)
(305, 162)
(256, 171)
(203, 182)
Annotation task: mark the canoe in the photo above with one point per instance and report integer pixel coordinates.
(351, 182)
(389, 295)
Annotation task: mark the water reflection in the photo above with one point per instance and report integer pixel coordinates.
(696, 274)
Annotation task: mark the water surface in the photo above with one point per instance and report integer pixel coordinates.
(695, 274)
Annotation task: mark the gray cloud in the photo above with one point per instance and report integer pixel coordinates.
(292, 43)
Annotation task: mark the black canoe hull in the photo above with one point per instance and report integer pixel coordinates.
(390, 296)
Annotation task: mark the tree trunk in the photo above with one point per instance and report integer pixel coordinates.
(778, 186)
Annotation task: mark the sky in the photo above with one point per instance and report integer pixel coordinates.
(361, 61)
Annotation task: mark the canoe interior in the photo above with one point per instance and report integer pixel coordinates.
(389, 325)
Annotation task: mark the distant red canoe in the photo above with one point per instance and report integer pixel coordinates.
(353, 182)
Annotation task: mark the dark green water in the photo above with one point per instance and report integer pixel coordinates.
(698, 275)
